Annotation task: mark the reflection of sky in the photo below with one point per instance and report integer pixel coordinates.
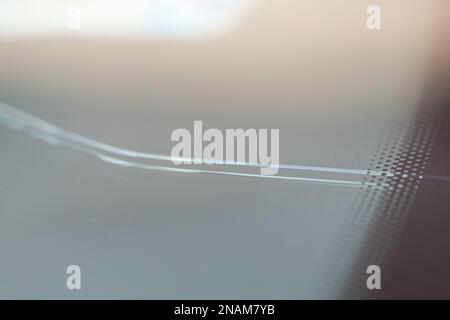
(173, 18)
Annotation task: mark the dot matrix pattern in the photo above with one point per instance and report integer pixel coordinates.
(382, 205)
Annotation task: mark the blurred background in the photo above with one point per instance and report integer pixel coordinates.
(128, 73)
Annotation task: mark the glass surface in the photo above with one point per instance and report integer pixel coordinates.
(137, 70)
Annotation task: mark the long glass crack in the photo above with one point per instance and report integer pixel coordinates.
(21, 121)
